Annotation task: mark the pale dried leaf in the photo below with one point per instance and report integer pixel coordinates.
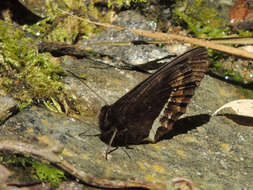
(240, 111)
(242, 107)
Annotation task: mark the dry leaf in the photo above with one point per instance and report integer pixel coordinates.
(240, 111)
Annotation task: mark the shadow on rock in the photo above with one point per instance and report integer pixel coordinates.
(186, 124)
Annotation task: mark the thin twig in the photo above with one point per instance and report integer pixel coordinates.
(166, 37)
(51, 155)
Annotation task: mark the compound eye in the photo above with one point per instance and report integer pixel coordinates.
(104, 118)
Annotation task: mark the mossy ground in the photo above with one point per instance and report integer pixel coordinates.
(205, 22)
(201, 20)
(26, 74)
(32, 77)
(34, 170)
(120, 3)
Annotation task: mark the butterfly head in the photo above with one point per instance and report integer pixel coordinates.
(104, 119)
(106, 124)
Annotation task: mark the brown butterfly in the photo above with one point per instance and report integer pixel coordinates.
(150, 109)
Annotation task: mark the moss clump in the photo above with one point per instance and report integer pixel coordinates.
(247, 92)
(235, 77)
(201, 20)
(48, 173)
(121, 3)
(63, 27)
(205, 22)
(26, 74)
(32, 169)
(33, 77)
(217, 58)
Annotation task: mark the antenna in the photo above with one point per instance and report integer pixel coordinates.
(115, 130)
(81, 79)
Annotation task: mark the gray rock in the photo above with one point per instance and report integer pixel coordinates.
(7, 108)
(131, 54)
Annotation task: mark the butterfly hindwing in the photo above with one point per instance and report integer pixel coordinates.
(150, 109)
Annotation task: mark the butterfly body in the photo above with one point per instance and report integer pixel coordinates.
(150, 109)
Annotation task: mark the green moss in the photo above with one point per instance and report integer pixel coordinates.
(27, 73)
(200, 19)
(234, 76)
(33, 168)
(40, 28)
(48, 173)
(90, 11)
(248, 93)
(121, 3)
(205, 22)
(217, 64)
(30, 76)
(66, 28)
(62, 27)
(22, 105)
(216, 58)
(244, 32)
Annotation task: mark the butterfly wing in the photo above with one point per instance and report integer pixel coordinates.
(150, 109)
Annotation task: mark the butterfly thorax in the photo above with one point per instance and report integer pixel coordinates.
(127, 132)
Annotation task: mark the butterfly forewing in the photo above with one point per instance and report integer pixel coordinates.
(149, 110)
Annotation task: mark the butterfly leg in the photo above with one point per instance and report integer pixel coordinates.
(110, 143)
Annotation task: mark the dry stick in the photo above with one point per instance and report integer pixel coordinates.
(239, 41)
(234, 40)
(49, 153)
(166, 37)
(227, 49)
